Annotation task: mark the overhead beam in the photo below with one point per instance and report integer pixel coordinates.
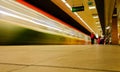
(100, 9)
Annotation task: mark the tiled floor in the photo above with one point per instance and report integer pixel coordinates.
(60, 58)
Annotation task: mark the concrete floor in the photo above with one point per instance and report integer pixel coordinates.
(60, 58)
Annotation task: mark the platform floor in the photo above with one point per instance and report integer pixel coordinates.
(60, 58)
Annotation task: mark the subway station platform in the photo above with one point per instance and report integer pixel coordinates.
(60, 58)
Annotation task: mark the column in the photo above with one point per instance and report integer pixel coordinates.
(114, 31)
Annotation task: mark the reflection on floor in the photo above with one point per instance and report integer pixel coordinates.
(60, 58)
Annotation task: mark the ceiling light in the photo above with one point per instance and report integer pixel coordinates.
(118, 25)
(108, 27)
(92, 7)
(98, 22)
(99, 29)
(99, 26)
(68, 6)
(95, 16)
(64, 1)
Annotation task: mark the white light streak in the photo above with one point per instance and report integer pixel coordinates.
(22, 18)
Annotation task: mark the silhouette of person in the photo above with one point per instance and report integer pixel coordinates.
(92, 36)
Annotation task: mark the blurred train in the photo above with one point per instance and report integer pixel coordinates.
(21, 25)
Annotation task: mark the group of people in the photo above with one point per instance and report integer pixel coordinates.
(99, 40)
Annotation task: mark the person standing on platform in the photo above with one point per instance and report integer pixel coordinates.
(102, 40)
(98, 40)
(92, 36)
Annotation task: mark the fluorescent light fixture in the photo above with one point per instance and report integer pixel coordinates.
(118, 25)
(99, 29)
(99, 26)
(95, 16)
(108, 27)
(64, 1)
(114, 15)
(97, 35)
(92, 7)
(68, 6)
(98, 22)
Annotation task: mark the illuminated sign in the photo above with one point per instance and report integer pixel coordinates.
(78, 8)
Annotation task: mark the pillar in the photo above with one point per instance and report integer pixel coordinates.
(114, 31)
